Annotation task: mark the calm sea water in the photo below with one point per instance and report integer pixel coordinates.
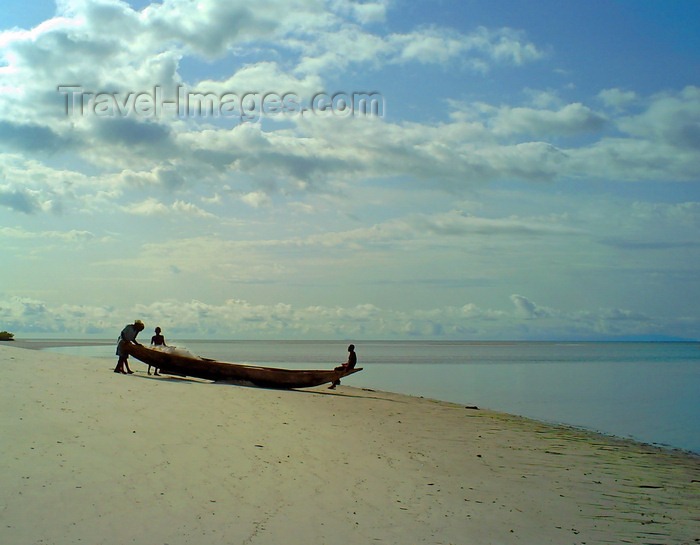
(646, 391)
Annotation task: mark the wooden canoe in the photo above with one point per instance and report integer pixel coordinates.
(267, 377)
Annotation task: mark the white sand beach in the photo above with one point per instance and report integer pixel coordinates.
(89, 456)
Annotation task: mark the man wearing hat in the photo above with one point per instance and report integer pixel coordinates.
(128, 335)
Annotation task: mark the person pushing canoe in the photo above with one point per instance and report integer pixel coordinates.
(128, 335)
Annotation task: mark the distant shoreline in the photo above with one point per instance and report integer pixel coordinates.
(40, 344)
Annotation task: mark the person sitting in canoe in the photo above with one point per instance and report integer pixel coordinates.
(128, 335)
(157, 340)
(350, 364)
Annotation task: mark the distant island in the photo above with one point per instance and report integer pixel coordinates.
(5, 336)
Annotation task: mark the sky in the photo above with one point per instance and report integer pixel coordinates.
(389, 169)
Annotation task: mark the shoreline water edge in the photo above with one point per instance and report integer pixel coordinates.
(189, 461)
(645, 391)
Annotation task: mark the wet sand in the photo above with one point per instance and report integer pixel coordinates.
(93, 457)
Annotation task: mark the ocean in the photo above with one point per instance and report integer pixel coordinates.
(646, 391)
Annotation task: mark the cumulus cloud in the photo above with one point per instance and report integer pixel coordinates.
(25, 137)
(479, 50)
(483, 47)
(66, 236)
(525, 307)
(570, 120)
(238, 318)
(153, 207)
(213, 26)
(363, 12)
(107, 45)
(465, 152)
(26, 315)
(670, 119)
(256, 199)
(317, 197)
(21, 200)
(617, 98)
(129, 132)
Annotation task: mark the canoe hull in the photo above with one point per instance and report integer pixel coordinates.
(267, 377)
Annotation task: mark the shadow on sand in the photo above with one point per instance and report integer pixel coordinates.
(194, 380)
